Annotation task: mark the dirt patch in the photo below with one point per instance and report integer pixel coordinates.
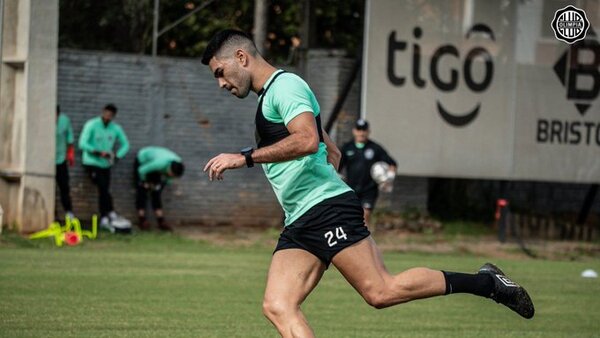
(231, 236)
(403, 241)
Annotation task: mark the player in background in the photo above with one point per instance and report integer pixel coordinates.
(153, 169)
(65, 158)
(97, 141)
(358, 156)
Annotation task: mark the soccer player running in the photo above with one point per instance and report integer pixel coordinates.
(358, 156)
(97, 141)
(324, 218)
(153, 169)
(65, 155)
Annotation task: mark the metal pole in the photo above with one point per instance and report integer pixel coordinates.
(1, 30)
(156, 33)
(305, 38)
(339, 103)
(155, 28)
(180, 20)
(260, 25)
(587, 204)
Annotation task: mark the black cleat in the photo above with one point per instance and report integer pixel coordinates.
(508, 293)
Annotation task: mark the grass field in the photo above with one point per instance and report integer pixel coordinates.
(154, 285)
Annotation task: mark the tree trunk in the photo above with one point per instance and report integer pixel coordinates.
(261, 20)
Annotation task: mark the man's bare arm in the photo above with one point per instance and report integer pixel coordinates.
(334, 155)
(303, 140)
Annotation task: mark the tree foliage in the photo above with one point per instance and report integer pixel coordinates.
(126, 25)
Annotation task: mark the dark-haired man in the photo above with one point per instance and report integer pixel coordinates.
(324, 219)
(97, 141)
(153, 169)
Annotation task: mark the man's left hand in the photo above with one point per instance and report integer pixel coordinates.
(218, 164)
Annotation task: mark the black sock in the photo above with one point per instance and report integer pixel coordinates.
(161, 220)
(478, 284)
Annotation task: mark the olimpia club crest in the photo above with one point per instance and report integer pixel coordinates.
(570, 24)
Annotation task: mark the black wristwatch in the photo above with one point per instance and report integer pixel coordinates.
(247, 152)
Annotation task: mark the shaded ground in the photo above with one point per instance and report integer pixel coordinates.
(403, 241)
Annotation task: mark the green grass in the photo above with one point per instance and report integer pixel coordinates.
(154, 285)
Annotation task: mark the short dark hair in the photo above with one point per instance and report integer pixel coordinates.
(225, 37)
(111, 107)
(177, 168)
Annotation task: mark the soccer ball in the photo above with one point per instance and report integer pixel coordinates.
(383, 176)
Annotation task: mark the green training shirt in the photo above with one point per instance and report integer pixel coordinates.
(155, 159)
(64, 137)
(306, 181)
(95, 136)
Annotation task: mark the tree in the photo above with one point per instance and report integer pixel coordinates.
(126, 25)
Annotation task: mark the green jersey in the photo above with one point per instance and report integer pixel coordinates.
(64, 137)
(155, 159)
(301, 183)
(96, 136)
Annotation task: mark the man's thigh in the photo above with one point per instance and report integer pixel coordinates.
(362, 265)
(293, 274)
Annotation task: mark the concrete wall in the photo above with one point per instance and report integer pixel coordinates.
(175, 102)
(27, 113)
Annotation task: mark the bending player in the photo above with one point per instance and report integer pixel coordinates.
(153, 169)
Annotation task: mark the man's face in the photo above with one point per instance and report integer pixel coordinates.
(231, 75)
(107, 116)
(360, 136)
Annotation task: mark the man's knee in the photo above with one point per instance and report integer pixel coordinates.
(374, 294)
(377, 298)
(382, 295)
(274, 309)
(394, 291)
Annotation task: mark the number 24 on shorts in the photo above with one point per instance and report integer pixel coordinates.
(339, 234)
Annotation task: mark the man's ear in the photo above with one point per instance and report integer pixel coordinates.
(241, 57)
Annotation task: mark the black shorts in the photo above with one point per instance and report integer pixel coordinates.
(327, 228)
(368, 198)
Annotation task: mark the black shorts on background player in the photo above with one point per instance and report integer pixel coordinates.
(368, 198)
(156, 185)
(326, 228)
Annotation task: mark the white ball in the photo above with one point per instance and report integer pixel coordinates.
(380, 172)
